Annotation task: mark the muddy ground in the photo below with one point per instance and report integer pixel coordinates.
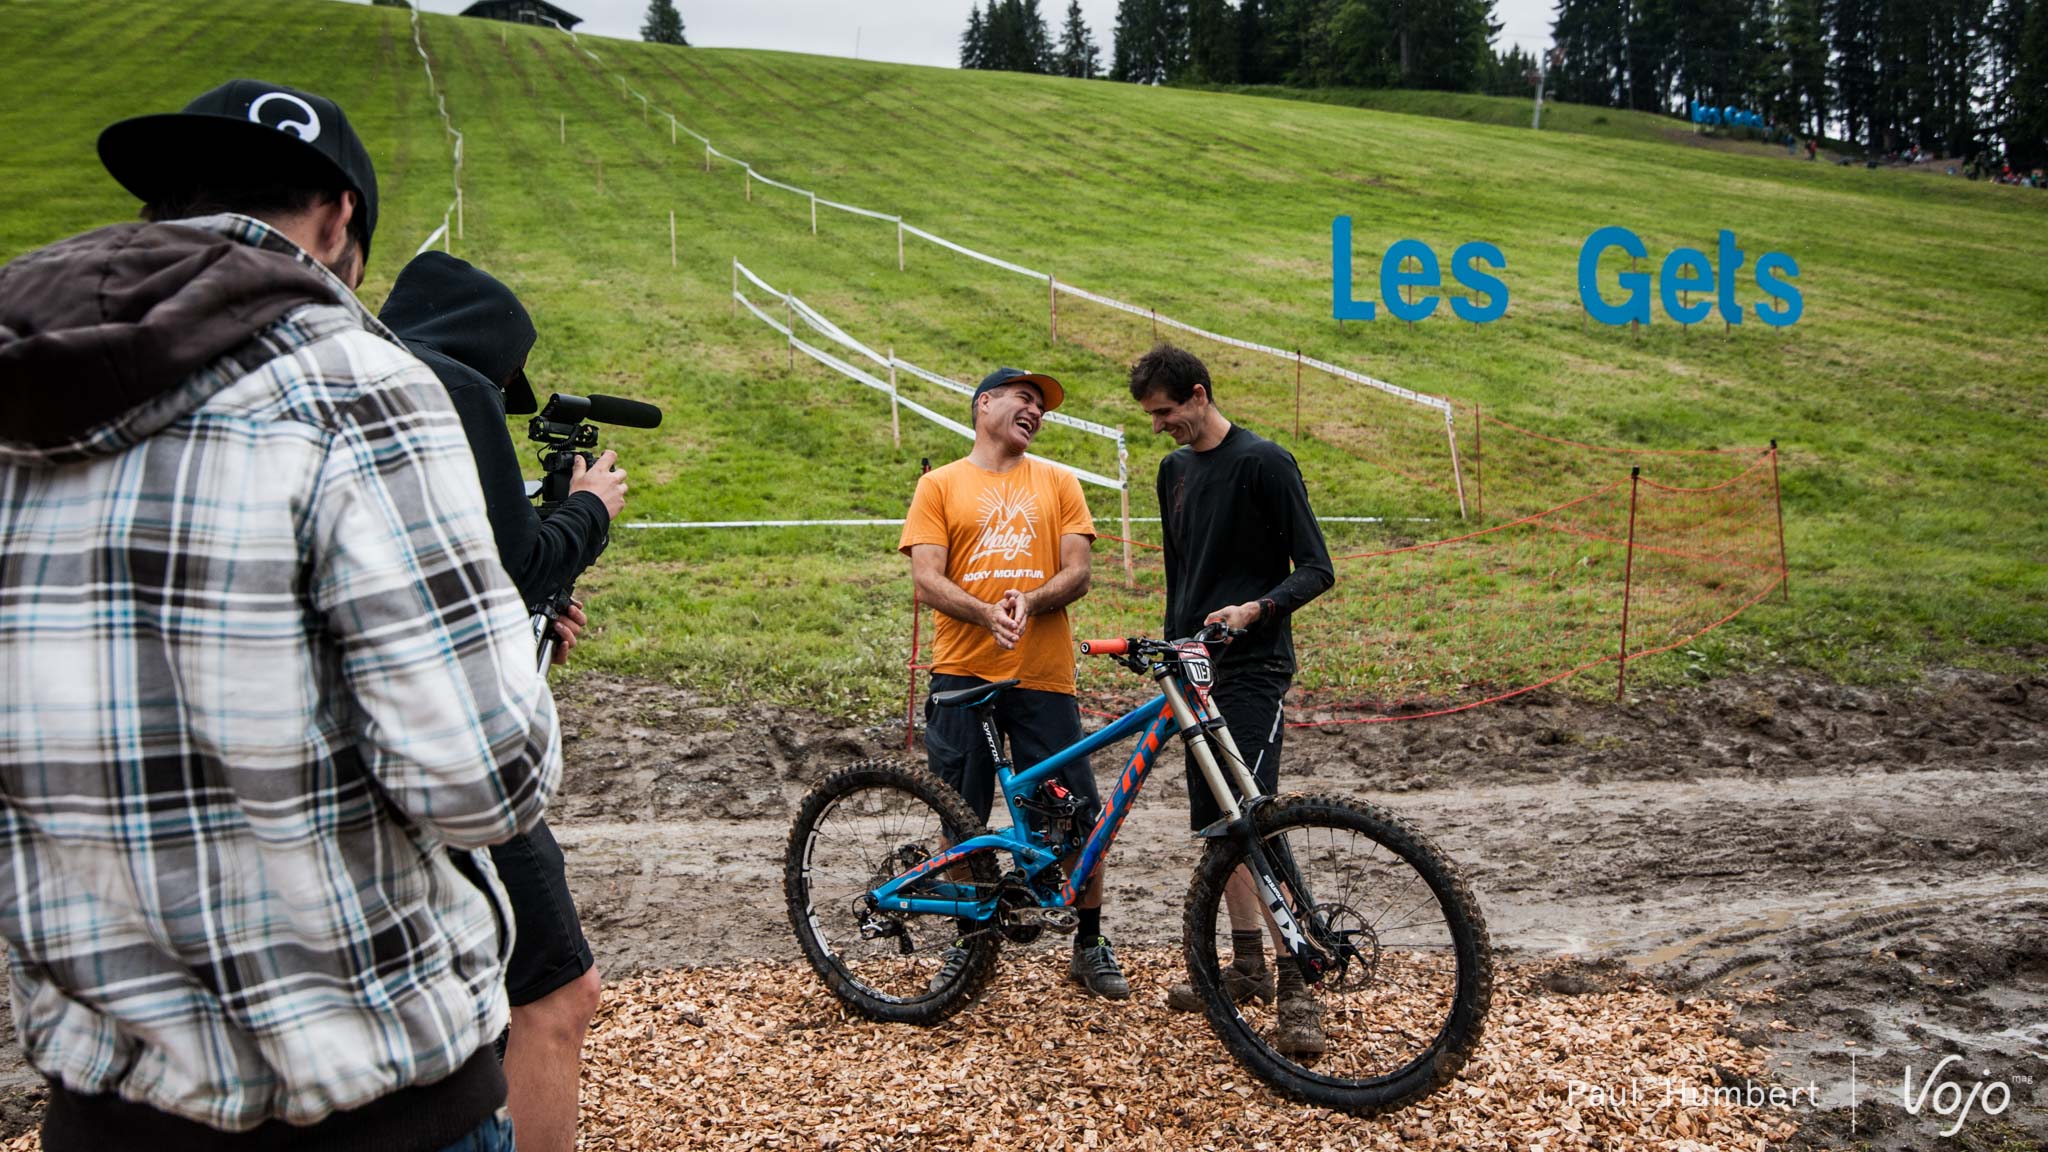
(1875, 859)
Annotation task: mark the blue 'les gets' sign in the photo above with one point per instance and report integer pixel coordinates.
(1686, 270)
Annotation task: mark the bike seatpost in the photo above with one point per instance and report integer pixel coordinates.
(985, 717)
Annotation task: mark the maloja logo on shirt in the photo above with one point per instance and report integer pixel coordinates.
(1007, 516)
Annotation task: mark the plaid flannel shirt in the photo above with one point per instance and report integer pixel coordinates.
(259, 668)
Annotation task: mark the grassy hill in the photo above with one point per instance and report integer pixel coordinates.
(1909, 400)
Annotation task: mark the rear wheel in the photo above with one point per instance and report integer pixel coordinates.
(862, 826)
(1405, 1006)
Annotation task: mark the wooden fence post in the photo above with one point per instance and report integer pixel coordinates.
(895, 428)
(1628, 573)
(1778, 499)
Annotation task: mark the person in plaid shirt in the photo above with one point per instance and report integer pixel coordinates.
(264, 685)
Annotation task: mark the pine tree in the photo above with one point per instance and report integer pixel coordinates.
(1078, 55)
(1212, 42)
(1170, 39)
(1806, 64)
(1133, 57)
(2026, 133)
(1037, 55)
(664, 24)
(1254, 49)
(974, 41)
(1852, 34)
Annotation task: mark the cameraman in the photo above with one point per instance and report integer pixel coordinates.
(473, 332)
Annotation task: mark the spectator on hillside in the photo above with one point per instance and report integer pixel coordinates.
(474, 333)
(275, 669)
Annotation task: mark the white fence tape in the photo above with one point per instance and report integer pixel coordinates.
(777, 183)
(837, 335)
(1356, 377)
(824, 203)
(898, 523)
(448, 126)
(984, 257)
(833, 332)
(432, 239)
(763, 285)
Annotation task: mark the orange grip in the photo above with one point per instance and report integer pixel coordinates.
(1105, 647)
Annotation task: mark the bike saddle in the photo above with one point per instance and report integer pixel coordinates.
(969, 697)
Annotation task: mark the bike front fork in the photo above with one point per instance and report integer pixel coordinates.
(1276, 880)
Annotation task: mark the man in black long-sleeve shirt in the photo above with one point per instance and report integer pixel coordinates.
(1242, 547)
(473, 332)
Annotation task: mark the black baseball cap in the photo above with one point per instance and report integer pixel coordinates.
(1048, 388)
(241, 129)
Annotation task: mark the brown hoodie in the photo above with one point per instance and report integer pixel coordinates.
(103, 325)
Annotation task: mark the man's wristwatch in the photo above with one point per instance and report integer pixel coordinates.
(1267, 609)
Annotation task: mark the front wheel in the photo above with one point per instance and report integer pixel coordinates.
(860, 828)
(1403, 1008)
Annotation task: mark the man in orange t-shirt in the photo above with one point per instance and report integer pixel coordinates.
(998, 543)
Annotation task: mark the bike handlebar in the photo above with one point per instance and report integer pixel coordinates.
(1126, 646)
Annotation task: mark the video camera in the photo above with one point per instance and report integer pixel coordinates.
(565, 429)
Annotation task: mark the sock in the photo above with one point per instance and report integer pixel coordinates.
(1091, 927)
(1248, 949)
(1291, 983)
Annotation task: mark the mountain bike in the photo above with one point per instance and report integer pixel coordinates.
(887, 868)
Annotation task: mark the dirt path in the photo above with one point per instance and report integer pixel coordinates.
(1878, 861)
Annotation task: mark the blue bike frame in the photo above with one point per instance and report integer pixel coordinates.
(1156, 723)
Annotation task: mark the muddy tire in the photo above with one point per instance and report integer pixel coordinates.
(1406, 1011)
(861, 826)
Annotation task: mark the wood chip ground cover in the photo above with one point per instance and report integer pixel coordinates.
(761, 1056)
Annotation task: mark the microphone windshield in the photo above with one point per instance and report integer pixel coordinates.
(624, 413)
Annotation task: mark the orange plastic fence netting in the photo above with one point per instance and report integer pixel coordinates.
(1411, 630)
(1513, 472)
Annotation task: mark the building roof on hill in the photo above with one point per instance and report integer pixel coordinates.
(523, 12)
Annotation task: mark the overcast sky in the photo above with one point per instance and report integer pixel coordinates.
(905, 31)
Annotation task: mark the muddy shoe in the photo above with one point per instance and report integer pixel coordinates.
(1300, 1034)
(955, 963)
(1242, 984)
(1094, 967)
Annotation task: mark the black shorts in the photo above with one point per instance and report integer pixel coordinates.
(548, 949)
(1249, 699)
(1036, 724)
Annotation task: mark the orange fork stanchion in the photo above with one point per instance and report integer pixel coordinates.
(1778, 499)
(1628, 572)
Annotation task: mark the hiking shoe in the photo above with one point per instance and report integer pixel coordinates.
(1094, 967)
(1243, 984)
(955, 963)
(1300, 1031)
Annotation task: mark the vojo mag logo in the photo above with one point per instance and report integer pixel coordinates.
(307, 129)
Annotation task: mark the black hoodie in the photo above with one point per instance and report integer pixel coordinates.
(473, 332)
(101, 335)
